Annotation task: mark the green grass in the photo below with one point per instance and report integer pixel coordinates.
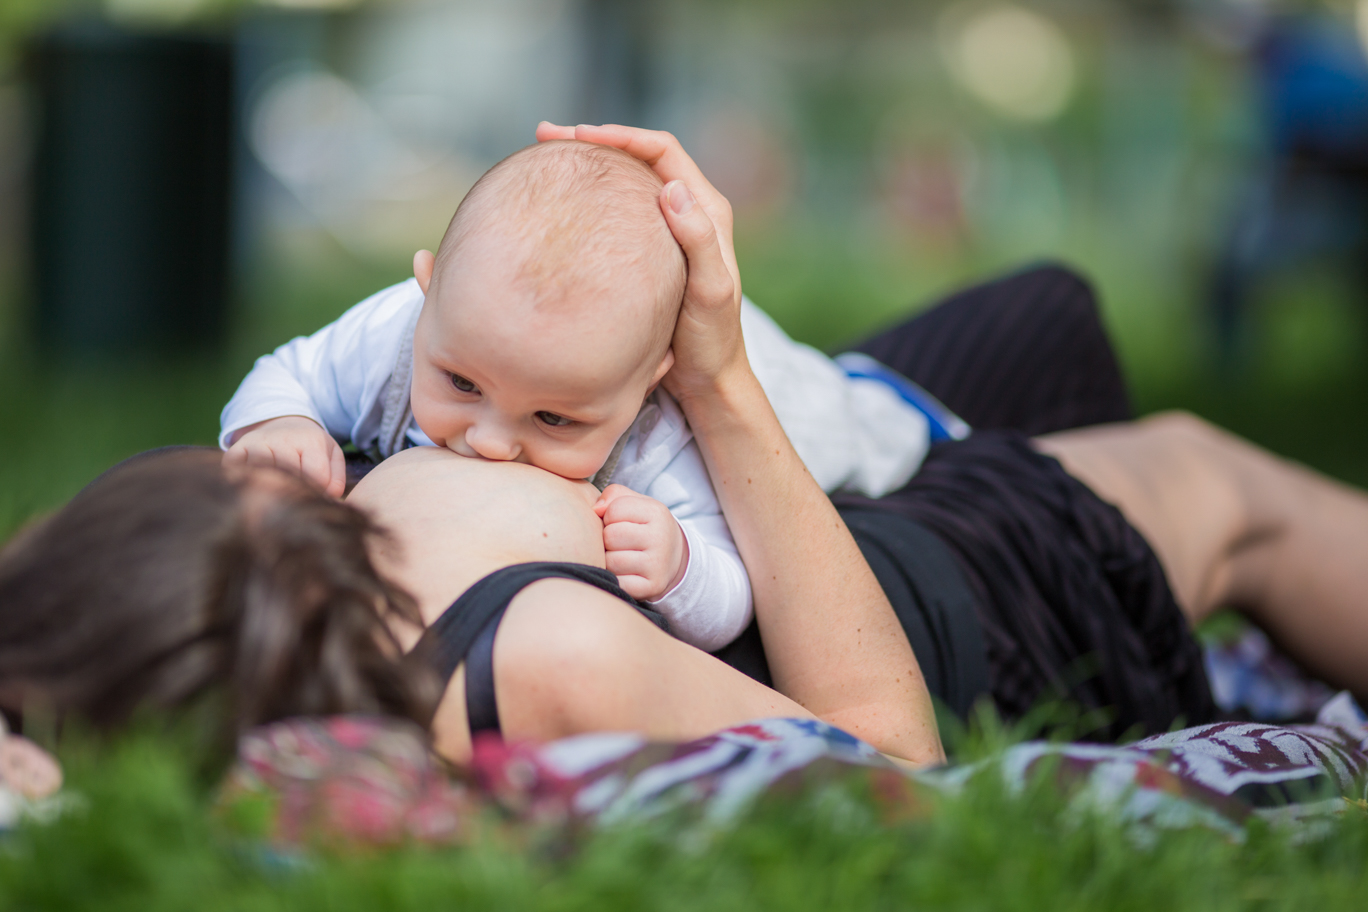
(146, 841)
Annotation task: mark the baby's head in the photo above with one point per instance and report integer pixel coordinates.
(549, 311)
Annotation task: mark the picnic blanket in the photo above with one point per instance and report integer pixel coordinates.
(373, 780)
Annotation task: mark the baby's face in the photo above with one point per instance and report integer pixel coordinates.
(494, 377)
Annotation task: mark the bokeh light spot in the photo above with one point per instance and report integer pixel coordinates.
(1361, 17)
(1014, 60)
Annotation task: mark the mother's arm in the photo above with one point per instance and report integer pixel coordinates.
(833, 642)
(570, 659)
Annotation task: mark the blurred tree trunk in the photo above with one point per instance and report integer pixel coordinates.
(131, 189)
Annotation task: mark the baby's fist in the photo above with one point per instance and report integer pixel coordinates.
(643, 543)
(296, 444)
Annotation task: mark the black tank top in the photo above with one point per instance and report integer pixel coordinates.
(465, 631)
(929, 594)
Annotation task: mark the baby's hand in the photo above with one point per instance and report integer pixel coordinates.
(296, 444)
(646, 548)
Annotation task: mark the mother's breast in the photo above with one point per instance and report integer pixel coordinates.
(453, 520)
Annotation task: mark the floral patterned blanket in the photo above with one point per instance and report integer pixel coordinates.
(373, 780)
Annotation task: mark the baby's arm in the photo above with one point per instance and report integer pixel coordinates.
(313, 391)
(276, 416)
(679, 521)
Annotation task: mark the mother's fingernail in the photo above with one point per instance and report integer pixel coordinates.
(681, 200)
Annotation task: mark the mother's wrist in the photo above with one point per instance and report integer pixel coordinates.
(721, 398)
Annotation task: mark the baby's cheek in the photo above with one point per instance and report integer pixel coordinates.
(577, 462)
(429, 418)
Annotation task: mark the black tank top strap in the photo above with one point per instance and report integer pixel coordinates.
(465, 631)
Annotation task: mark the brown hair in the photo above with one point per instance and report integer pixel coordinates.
(166, 579)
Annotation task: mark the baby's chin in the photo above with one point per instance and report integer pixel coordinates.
(572, 472)
(579, 483)
(517, 466)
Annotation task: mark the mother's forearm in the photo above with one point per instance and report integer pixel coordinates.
(833, 642)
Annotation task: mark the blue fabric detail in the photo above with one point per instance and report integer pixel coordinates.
(942, 423)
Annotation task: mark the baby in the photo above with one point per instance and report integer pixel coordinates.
(540, 333)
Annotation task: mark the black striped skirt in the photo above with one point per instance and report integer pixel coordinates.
(1071, 600)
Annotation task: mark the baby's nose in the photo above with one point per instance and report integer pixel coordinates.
(490, 444)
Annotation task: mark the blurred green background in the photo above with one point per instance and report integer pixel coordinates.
(878, 154)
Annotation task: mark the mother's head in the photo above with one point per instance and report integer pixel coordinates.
(168, 579)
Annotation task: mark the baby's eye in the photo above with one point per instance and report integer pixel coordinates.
(462, 384)
(554, 420)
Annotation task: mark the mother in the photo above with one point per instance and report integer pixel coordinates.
(169, 576)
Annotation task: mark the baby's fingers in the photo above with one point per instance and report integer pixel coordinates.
(262, 456)
(638, 509)
(337, 486)
(610, 495)
(638, 587)
(632, 568)
(234, 456)
(626, 536)
(323, 464)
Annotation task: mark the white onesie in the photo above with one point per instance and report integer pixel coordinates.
(854, 434)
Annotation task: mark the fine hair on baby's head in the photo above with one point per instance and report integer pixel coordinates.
(549, 310)
(583, 225)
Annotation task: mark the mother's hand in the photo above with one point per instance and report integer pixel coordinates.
(708, 345)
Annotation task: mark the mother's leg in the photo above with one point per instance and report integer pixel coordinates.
(1236, 526)
(1026, 352)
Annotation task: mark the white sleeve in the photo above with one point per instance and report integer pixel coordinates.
(711, 605)
(335, 376)
(853, 435)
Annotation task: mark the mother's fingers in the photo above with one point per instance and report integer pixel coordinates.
(548, 131)
(712, 283)
(656, 148)
(667, 157)
(662, 151)
(707, 339)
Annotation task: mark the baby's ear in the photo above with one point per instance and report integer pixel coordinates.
(423, 264)
(666, 363)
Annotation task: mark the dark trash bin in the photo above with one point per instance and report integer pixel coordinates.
(130, 189)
